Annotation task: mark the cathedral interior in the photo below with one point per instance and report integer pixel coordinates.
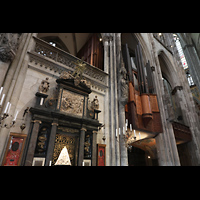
(100, 99)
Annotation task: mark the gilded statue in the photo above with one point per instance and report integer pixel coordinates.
(80, 67)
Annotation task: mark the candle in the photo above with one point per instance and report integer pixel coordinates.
(123, 130)
(41, 101)
(15, 116)
(119, 131)
(2, 99)
(83, 164)
(1, 90)
(116, 132)
(50, 163)
(127, 122)
(134, 133)
(130, 127)
(139, 136)
(6, 107)
(9, 108)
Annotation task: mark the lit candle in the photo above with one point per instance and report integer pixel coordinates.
(9, 108)
(6, 107)
(1, 90)
(130, 127)
(2, 99)
(15, 116)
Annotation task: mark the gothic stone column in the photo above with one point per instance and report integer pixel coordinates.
(32, 144)
(94, 148)
(81, 146)
(123, 149)
(51, 142)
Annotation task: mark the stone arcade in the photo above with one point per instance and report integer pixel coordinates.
(105, 99)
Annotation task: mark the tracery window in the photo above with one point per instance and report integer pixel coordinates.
(183, 60)
(180, 51)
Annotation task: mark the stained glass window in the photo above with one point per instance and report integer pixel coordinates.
(180, 51)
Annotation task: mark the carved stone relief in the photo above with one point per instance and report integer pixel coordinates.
(72, 103)
(9, 43)
(44, 86)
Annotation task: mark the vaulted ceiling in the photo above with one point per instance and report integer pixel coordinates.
(73, 41)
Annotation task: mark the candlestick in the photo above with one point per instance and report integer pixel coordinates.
(2, 99)
(6, 107)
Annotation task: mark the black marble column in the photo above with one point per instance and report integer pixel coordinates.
(51, 142)
(94, 148)
(32, 144)
(81, 147)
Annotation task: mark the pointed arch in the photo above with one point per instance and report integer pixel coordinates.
(167, 68)
(145, 50)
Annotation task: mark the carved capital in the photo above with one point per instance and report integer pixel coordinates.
(6, 54)
(107, 37)
(83, 129)
(152, 68)
(176, 88)
(8, 46)
(54, 124)
(94, 132)
(37, 121)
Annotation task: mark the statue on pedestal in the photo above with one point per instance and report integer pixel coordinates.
(44, 86)
(95, 103)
